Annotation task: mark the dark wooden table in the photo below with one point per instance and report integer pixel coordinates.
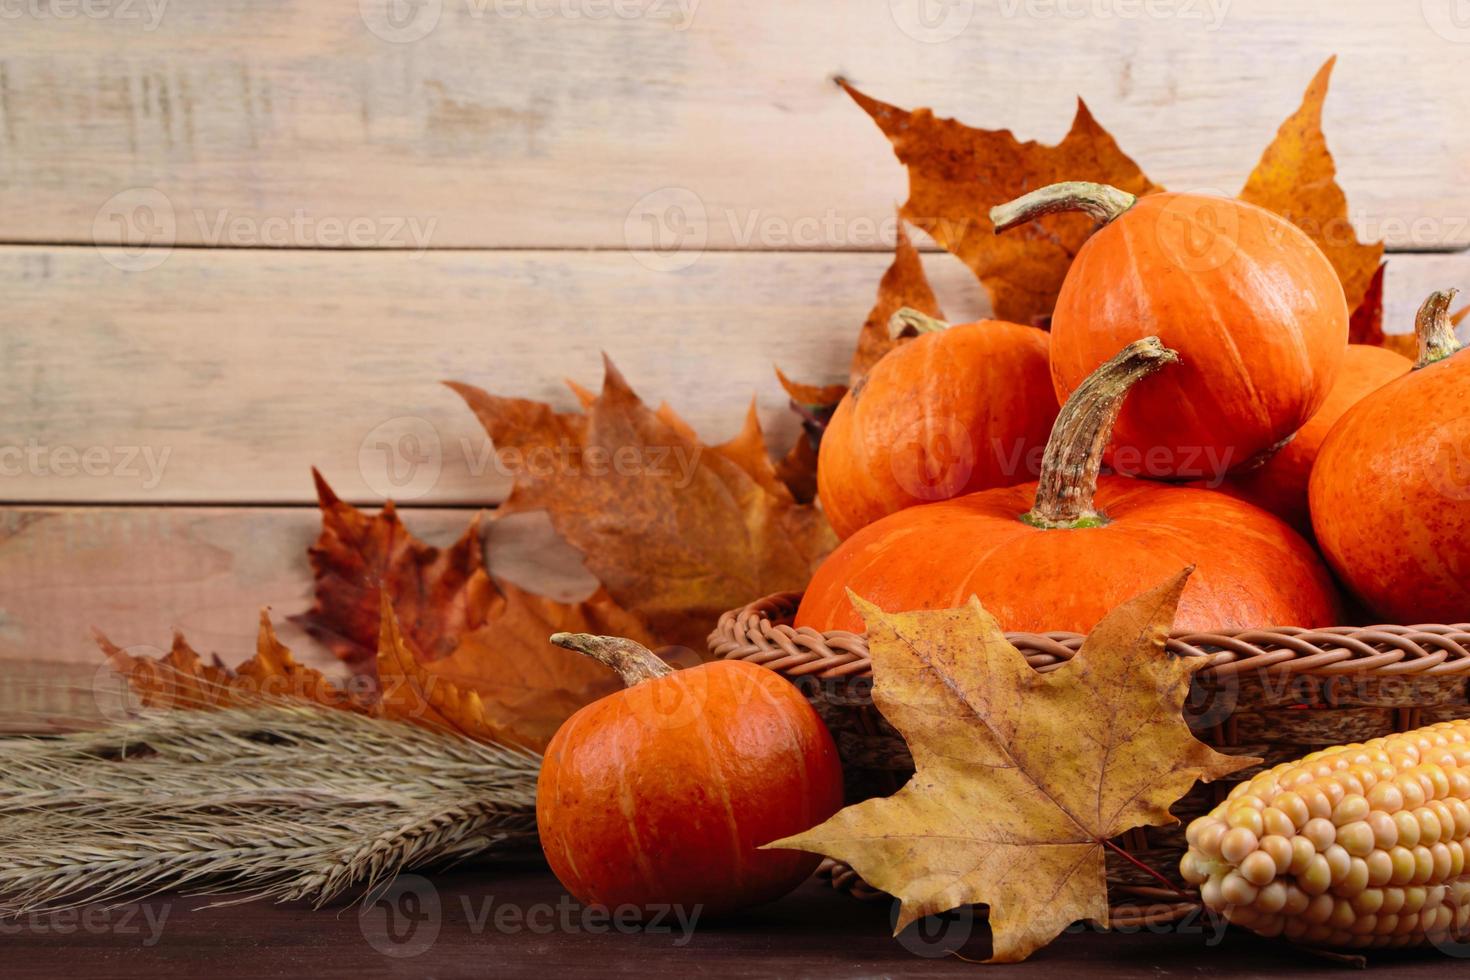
(518, 922)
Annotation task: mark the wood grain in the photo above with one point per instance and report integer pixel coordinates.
(139, 573)
(441, 924)
(580, 123)
(224, 375)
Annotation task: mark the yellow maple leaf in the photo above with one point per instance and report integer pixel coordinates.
(1297, 179)
(1021, 777)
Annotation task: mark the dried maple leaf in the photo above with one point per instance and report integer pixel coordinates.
(486, 637)
(675, 531)
(1297, 179)
(798, 468)
(439, 594)
(408, 692)
(958, 173)
(527, 685)
(1366, 324)
(1020, 776)
(181, 678)
(903, 284)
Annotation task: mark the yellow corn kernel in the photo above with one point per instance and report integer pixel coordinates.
(1259, 868)
(1321, 832)
(1351, 809)
(1246, 818)
(1238, 844)
(1357, 838)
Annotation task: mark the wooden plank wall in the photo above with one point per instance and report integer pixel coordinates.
(241, 239)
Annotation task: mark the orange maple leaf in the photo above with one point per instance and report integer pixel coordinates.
(958, 173)
(486, 637)
(1297, 179)
(676, 531)
(182, 679)
(439, 594)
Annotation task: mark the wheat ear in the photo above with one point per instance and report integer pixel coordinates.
(288, 800)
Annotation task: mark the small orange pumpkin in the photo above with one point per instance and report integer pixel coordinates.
(1254, 308)
(663, 793)
(1280, 484)
(959, 409)
(1390, 492)
(1059, 554)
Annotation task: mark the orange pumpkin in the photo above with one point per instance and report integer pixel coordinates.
(1280, 484)
(1058, 554)
(1390, 493)
(663, 793)
(1249, 301)
(959, 409)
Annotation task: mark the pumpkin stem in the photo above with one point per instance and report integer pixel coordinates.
(906, 318)
(1074, 451)
(634, 662)
(1433, 328)
(1098, 200)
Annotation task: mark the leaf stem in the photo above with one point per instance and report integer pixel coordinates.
(1146, 869)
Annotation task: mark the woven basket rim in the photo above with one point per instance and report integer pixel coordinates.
(761, 633)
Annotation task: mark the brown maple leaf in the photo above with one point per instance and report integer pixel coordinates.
(485, 637)
(1366, 324)
(407, 691)
(904, 284)
(182, 679)
(1021, 777)
(1297, 179)
(440, 595)
(958, 173)
(677, 532)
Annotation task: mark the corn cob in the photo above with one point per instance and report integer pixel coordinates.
(1354, 846)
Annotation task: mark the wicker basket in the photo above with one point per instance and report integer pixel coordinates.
(1274, 693)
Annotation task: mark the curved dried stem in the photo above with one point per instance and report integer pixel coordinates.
(1101, 201)
(907, 319)
(634, 662)
(1084, 427)
(1432, 327)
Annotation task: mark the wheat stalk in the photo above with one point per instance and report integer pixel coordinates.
(284, 800)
